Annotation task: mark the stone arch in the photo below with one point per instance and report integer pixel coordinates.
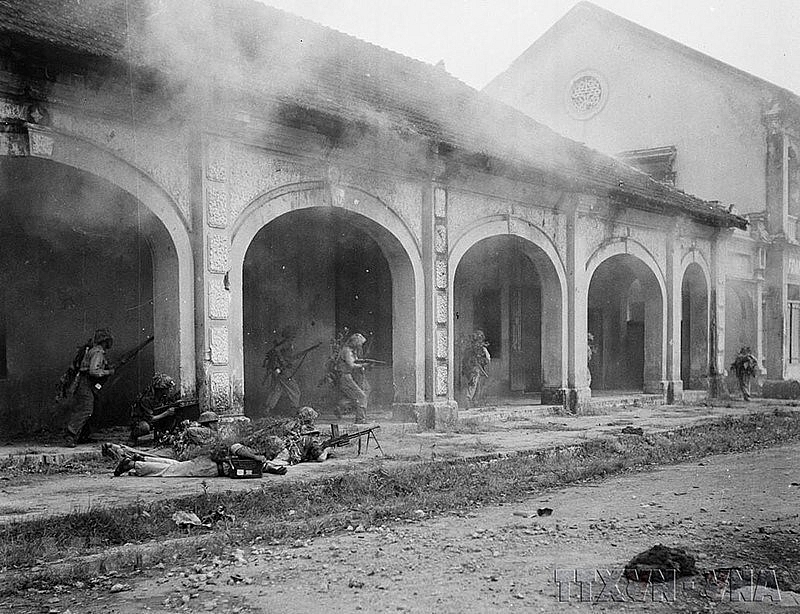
(543, 253)
(653, 343)
(171, 245)
(395, 240)
(631, 247)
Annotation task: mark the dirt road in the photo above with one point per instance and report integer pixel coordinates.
(739, 510)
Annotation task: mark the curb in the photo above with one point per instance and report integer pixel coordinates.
(39, 459)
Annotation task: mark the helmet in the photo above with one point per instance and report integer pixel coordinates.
(101, 335)
(307, 414)
(163, 381)
(357, 339)
(208, 416)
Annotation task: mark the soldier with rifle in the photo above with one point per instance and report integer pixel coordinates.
(281, 363)
(474, 361)
(350, 380)
(92, 374)
(158, 409)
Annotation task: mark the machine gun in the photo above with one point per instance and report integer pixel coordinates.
(344, 439)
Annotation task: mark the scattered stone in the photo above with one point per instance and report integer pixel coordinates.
(182, 519)
(118, 588)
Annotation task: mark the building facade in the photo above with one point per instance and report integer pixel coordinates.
(210, 186)
(695, 123)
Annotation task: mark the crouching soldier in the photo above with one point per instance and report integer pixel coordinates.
(150, 412)
(304, 441)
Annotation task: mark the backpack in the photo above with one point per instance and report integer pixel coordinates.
(68, 382)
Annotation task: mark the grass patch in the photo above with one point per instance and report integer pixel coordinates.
(300, 510)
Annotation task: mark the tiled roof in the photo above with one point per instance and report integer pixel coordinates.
(245, 44)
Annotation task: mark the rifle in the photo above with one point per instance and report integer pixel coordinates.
(180, 406)
(126, 358)
(302, 355)
(185, 409)
(370, 361)
(337, 440)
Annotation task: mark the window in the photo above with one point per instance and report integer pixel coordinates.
(586, 95)
(794, 331)
(3, 341)
(658, 162)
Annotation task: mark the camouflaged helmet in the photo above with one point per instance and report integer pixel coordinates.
(307, 414)
(207, 417)
(163, 381)
(102, 335)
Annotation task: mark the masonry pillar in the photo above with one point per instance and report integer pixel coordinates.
(761, 259)
(439, 409)
(674, 308)
(578, 379)
(718, 363)
(220, 383)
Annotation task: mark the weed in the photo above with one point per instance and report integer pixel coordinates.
(300, 510)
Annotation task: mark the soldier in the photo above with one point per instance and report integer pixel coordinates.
(349, 369)
(303, 441)
(158, 394)
(280, 365)
(745, 366)
(93, 372)
(205, 449)
(474, 361)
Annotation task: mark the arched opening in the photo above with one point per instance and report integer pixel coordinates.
(508, 288)
(694, 329)
(79, 253)
(322, 270)
(625, 323)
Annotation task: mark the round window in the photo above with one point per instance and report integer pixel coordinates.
(586, 95)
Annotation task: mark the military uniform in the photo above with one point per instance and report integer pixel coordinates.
(745, 366)
(351, 394)
(94, 369)
(156, 395)
(279, 363)
(473, 365)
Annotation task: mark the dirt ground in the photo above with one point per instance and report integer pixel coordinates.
(729, 511)
(87, 484)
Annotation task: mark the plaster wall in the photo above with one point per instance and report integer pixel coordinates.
(655, 97)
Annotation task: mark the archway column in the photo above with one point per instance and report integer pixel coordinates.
(440, 409)
(717, 290)
(673, 385)
(578, 391)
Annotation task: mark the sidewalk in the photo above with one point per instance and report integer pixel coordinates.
(486, 433)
